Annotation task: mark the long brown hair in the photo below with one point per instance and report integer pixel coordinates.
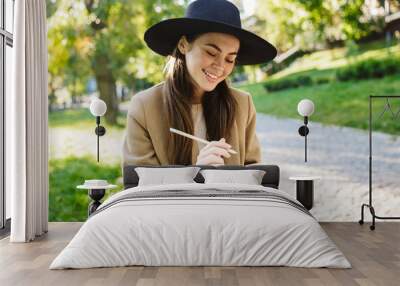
(219, 108)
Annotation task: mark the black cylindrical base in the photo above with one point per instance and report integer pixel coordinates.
(93, 207)
(305, 193)
(96, 195)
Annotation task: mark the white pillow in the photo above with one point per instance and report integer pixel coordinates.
(248, 177)
(163, 176)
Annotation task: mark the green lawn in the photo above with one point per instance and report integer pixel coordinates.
(80, 117)
(338, 103)
(324, 63)
(66, 202)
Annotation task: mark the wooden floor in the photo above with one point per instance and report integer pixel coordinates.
(374, 255)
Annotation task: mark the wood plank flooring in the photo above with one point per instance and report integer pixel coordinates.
(374, 255)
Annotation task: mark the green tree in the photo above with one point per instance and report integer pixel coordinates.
(353, 17)
(68, 66)
(112, 29)
(107, 37)
(312, 24)
(283, 23)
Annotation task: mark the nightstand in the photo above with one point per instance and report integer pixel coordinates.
(96, 191)
(305, 190)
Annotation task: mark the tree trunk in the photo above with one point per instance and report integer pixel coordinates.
(107, 87)
(51, 97)
(105, 80)
(123, 94)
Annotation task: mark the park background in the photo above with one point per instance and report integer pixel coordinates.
(334, 52)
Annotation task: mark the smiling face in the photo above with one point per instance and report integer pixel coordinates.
(210, 59)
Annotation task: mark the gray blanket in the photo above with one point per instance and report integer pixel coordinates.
(198, 225)
(205, 193)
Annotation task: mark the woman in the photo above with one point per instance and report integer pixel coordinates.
(204, 46)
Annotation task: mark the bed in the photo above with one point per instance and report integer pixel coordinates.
(201, 224)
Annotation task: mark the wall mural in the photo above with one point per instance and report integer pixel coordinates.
(276, 92)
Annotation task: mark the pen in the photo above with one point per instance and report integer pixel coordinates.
(173, 130)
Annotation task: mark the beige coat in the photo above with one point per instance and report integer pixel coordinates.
(147, 131)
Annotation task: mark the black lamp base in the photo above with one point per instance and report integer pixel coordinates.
(100, 130)
(303, 130)
(96, 195)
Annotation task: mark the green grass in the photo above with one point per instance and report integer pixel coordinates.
(66, 202)
(81, 118)
(324, 63)
(338, 103)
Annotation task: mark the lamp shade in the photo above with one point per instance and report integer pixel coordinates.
(305, 107)
(98, 107)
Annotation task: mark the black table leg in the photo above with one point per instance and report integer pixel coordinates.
(96, 195)
(305, 193)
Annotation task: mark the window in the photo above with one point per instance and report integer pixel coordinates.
(6, 65)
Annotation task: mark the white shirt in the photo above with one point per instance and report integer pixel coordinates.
(200, 129)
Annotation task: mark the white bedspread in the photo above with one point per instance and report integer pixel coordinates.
(226, 231)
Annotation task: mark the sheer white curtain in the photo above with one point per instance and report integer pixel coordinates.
(27, 126)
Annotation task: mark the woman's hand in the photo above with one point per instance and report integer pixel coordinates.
(213, 153)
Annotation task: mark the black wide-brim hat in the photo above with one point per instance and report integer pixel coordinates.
(203, 16)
